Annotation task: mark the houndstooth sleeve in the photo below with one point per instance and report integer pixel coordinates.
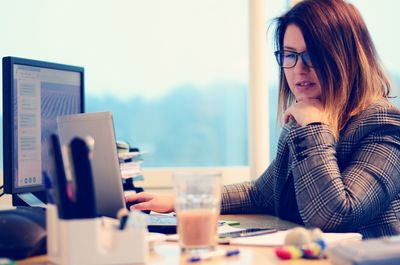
(342, 197)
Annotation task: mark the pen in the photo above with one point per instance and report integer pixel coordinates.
(214, 254)
(248, 232)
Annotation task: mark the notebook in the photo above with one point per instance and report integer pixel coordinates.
(105, 165)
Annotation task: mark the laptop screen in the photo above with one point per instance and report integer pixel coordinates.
(105, 166)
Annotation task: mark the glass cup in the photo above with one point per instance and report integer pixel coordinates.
(197, 207)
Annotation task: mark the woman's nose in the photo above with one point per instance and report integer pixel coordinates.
(300, 66)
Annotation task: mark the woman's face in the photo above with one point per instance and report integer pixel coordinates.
(302, 80)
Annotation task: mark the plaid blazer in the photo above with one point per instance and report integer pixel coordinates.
(348, 185)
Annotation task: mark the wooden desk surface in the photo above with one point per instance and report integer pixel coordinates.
(168, 253)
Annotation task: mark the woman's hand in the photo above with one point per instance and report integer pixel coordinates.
(305, 111)
(151, 201)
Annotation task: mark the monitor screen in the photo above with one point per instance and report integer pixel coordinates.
(34, 94)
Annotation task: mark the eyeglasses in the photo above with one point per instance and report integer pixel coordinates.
(288, 59)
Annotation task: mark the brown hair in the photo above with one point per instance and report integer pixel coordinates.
(343, 54)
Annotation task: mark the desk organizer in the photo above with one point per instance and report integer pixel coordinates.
(94, 241)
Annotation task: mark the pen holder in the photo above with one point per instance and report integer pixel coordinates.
(94, 241)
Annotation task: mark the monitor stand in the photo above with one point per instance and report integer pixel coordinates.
(35, 199)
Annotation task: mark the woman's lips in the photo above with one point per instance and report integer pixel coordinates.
(305, 85)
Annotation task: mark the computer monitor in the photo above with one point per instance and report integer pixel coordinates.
(34, 94)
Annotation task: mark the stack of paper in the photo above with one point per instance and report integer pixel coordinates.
(130, 164)
(130, 160)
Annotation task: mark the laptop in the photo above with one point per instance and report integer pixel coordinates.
(99, 128)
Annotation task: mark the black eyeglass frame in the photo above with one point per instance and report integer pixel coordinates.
(279, 54)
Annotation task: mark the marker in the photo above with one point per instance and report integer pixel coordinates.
(122, 215)
(214, 254)
(85, 206)
(229, 222)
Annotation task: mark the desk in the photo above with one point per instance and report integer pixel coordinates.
(168, 253)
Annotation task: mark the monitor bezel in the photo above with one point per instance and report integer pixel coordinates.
(8, 115)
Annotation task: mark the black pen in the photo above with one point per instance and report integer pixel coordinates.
(122, 215)
(247, 232)
(214, 254)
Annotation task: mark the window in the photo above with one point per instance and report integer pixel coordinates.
(383, 30)
(275, 8)
(174, 73)
(178, 85)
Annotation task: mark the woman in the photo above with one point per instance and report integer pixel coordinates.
(338, 161)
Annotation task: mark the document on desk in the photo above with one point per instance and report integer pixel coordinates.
(274, 239)
(277, 239)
